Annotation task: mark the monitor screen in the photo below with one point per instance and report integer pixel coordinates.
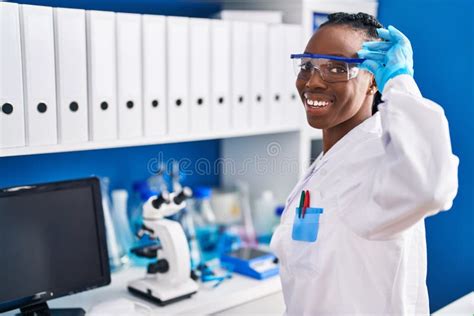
(52, 240)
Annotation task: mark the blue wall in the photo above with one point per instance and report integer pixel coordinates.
(442, 35)
(122, 165)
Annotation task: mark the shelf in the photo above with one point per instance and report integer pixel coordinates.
(61, 148)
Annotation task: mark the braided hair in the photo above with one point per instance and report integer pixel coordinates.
(364, 22)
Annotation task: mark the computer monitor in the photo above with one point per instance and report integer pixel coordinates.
(52, 241)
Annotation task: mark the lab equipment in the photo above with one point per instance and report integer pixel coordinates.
(122, 224)
(141, 193)
(389, 58)
(207, 273)
(168, 279)
(175, 177)
(226, 206)
(331, 68)
(46, 254)
(263, 214)
(201, 203)
(251, 262)
(249, 230)
(157, 183)
(207, 231)
(117, 253)
(187, 221)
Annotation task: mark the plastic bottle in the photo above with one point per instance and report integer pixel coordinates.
(205, 222)
(117, 254)
(187, 221)
(122, 224)
(264, 218)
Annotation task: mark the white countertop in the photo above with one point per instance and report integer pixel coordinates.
(230, 293)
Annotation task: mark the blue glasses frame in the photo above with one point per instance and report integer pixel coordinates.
(338, 58)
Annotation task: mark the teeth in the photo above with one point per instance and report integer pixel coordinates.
(316, 103)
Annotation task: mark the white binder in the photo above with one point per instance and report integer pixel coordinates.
(258, 75)
(240, 68)
(154, 75)
(178, 74)
(275, 74)
(220, 75)
(200, 77)
(293, 110)
(71, 75)
(39, 74)
(129, 75)
(12, 122)
(102, 72)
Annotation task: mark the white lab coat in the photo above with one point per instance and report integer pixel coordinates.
(376, 186)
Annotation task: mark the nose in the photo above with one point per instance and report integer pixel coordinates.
(316, 80)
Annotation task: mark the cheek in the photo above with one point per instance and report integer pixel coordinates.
(353, 93)
(300, 86)
(348, 99)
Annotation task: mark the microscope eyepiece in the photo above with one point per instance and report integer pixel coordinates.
(162, 198)
(183, 195)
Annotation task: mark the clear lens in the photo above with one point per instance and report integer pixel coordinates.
(329, 70)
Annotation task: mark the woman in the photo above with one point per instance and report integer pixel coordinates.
(359, 247)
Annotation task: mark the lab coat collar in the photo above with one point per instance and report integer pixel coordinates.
(371, 125)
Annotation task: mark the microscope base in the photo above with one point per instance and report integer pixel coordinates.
(160, 295)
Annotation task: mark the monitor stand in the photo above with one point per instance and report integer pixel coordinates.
(42, 309)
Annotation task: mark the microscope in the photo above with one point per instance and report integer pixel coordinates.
(169, 278)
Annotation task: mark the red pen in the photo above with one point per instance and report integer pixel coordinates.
(306, 203)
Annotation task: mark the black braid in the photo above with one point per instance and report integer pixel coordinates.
(361, 22)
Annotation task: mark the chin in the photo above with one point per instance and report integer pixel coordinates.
(315, 123)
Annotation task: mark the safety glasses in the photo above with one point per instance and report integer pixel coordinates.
(331, 68)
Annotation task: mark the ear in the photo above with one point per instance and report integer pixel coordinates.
(372, 86)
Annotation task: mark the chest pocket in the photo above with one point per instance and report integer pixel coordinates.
(306, 258)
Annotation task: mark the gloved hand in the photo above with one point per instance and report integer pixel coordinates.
(387, 59)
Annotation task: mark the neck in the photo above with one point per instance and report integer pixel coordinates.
(333, 134)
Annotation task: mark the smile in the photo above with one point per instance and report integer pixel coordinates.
(316, 101)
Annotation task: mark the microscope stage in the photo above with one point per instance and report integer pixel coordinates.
(160, 294)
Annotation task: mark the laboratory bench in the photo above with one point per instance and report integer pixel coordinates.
(238, 295)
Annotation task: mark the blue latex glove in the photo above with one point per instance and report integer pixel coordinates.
(387, 59)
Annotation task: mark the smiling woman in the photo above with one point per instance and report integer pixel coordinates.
(349, 93)
(382, 171)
